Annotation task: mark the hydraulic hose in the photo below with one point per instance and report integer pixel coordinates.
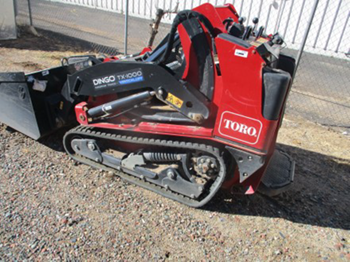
(181, 17)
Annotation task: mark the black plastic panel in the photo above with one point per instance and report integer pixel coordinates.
(275, 88)
(279, 175)
(234, 40)
(286, 63)
(203, 55)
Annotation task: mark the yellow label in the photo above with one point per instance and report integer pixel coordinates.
(61, 105)
(262, 40)
(259, 41)
(255, 43)
(174, 100)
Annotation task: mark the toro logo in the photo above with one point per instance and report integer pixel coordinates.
(104, 80)
(239, 127)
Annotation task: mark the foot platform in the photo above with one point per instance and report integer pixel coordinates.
(279, 175)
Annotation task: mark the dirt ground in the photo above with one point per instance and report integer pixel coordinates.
(54, 209)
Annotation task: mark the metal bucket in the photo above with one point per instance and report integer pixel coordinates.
(28, 102)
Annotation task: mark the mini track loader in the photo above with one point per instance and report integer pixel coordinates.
(198, 113)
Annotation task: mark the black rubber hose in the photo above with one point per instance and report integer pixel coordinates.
(181, 17)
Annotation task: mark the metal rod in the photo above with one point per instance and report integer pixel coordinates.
(306, 34)
(268, 17)
(16, 13)
(170, 8)
(250, 10)
(30, 13)
(241, 8)
(15, 7)
(278, 16)
(126, 27)
(281, 15)
(297, 27)
(334, 20)
(261, 2)
(322, 19)
(342, 33)
(288, 19)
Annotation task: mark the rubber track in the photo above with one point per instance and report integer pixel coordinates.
(94, 133)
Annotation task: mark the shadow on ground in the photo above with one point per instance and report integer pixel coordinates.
(52, 41)
(319, 196)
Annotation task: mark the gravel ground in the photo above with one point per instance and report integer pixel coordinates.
(54, 209)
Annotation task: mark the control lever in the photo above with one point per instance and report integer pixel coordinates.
(260, 32)
(241, 20)
(234, 29)
(255, 22)
(228, 22)
(247, 32)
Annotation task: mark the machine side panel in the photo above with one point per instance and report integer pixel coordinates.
(240, 117)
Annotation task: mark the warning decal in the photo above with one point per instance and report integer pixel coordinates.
(174, 100)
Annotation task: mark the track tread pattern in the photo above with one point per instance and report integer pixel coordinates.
(94, 133)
